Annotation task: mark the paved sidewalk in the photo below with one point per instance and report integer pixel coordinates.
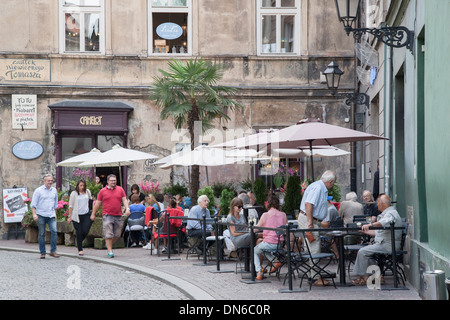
(200, 282)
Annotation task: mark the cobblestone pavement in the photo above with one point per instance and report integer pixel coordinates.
(179, 278)
(24, 277)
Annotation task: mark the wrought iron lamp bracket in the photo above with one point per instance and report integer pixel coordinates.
(396, 37)
(354, 97)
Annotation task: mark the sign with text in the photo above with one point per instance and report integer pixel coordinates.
(13, 206)
(169, 31)
(34, 70)
(27, 150)
(24, 111)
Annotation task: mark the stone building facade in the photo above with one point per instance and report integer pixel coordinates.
(85, 67)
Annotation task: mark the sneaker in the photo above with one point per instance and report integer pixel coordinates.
(110, 254)
(154, 251)
(148, 246)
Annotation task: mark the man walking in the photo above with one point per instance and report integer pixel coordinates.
(43, 207)
(112, 197)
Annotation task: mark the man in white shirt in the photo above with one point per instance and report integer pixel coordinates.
(43, 205)
(382, 241)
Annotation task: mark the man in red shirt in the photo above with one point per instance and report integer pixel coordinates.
(112, 197)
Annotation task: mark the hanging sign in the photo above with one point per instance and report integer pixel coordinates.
(14, 206)
(169, 31)
(27, 150)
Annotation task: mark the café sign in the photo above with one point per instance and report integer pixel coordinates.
(169, 31)
(27, 150)
(91, 120)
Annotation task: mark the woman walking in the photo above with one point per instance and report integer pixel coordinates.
(79, 213)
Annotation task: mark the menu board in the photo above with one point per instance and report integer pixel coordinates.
(13, 206)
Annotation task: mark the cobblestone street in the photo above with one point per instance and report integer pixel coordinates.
(25, 277)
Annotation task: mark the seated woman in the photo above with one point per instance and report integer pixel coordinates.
(135, 190)
(151, 200)
(151, 219)
(238, 225)
(137, 210)
(273, 218)
(165, 228)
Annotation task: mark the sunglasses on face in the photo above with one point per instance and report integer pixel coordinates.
(240, 207)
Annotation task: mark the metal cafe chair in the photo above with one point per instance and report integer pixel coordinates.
(314, 268)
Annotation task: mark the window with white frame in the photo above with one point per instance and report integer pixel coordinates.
(170, 27)
(82, 28)
(278, 27)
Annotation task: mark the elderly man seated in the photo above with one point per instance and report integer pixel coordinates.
(194, 228)
(382, 238)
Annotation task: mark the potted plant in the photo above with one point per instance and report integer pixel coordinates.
(210, 194)
(260, 190)
(293, 196)
(225, 200)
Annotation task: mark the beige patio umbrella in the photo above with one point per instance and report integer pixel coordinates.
(306, 133)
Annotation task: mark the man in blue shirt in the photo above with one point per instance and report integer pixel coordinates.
(314, 207)
(43, 206)
(194, 227)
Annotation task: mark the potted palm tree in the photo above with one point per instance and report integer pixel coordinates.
(189, 93)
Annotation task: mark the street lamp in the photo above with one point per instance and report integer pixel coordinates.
(333, 75)
(397, 37)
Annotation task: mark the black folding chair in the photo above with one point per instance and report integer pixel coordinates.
(385, 262)
(314, 268)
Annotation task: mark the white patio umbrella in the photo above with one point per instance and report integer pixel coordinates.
(117, 157)
(76, 160)
(201, 156)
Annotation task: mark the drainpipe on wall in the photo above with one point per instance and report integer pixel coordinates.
(387, 119)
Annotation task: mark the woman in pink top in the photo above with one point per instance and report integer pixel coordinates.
(274, 218)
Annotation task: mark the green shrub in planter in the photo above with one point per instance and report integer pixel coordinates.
(260, 191)
(176, 189)
(225, 200)
(293, 196)
(210, 194)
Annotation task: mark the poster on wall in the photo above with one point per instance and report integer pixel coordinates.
(14, 207)
(24, 111)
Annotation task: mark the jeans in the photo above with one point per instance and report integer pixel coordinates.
(82, 229)
(42, 221)
(265, 249)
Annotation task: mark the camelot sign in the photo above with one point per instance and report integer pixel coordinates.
(91, 121)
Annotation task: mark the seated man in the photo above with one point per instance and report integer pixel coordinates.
(194, 228)
(382, 238)
(370, 207)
